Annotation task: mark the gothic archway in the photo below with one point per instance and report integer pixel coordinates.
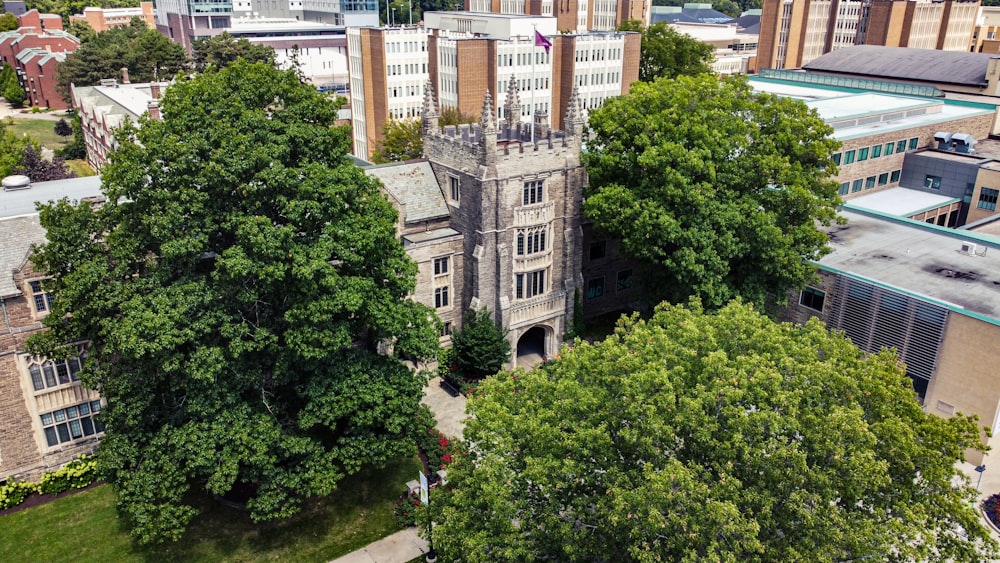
(531, 347)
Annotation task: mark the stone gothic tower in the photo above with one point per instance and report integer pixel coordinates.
(517, 204)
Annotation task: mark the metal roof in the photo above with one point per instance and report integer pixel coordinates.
(926, 65)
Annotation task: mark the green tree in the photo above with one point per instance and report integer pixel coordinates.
(12, 148)
(145, 52)
(698, 437)
(235, 291)
(668, 53)
(82, 31)
(401, 140)
(14, 94)
(480, 349)
(222, 50)
(728, 7)
(720, 186)
(77, 149)
(8, 22)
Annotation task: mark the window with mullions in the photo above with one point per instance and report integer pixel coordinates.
(71, 423)
(845, 188)
(53, 373)
(624, 280)
(888, 148)
(848, 157)
(894, 177)
(988, 199)
(595, 288)
(440, 266)
(857, 185)
(876, 151)
(41, 298)
(863, 154)
(869, 182)
(883, 178)
(533, 192)
(530, 241)
(529, 284)
(901, 146)
(440, 297)
(913, 143)
(836, 158)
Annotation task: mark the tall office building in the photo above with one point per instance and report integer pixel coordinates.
(571, 15)
(466, 54)
(794, 32)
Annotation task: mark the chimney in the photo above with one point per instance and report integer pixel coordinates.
(125, 75)
(154, 90)
(154, 110)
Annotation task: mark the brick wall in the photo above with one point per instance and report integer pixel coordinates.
(978, 126)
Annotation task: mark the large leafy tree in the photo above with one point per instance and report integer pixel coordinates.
(668, 53)
(480, 348)
(224, 49)
(717, 186)
(711, 437)
(236, 289)
(145, 52)
(402, 139)
(40, 169)
(12, 148)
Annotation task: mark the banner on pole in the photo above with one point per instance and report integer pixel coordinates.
(424, 497)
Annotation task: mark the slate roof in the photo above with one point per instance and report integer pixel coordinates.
(18, 235)
(925, 65)
(413, 185)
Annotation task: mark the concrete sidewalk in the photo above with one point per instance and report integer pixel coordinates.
(401, 547)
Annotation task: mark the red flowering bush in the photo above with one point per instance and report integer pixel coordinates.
(407, 510)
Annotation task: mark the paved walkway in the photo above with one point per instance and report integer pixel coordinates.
(401, 547)
(407, 545)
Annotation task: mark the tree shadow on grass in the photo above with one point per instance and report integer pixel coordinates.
(358, 513)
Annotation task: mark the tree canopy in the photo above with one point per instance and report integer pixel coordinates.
(668, 53)
(402, 139)
(715, 185)
(224, 49)
(710, 437)
(235, 291)
(145, 52)
(480, 348)
(40, 169)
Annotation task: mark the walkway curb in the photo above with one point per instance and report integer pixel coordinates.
(401, 547)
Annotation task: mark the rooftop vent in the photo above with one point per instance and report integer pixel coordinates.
(963, 143)
(968, 248)
(943, 139)
(18, 182)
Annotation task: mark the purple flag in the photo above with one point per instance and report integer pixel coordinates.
(541, 41)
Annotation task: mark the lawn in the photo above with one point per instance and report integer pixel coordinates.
(85, 527)
(41, 130)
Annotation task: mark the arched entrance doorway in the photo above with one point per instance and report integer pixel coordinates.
(531, 347)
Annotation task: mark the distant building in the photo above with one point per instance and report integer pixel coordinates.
(15, 7)
(577, 16)
(689, 13)
(734, 46)
(467, 54)
(39, 23)
(319, 49)
(46, 416)
(34, 56)
(878, 122)
(106, 107)
(795, 32)
(103, 19)
(949, 71)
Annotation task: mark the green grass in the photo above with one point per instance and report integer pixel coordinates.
(85, 527)
(80, 168)
(41, 130)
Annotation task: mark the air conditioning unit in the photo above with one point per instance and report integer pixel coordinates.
(968, 248)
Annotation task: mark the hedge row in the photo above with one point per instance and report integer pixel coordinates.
(76, 474)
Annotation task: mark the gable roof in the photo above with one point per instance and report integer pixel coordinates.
(413, 185)
(925, 65)
(18, 235)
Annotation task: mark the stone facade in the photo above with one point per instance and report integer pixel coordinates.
(517, 207)
(46, 415)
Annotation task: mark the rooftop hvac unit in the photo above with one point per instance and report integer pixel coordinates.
(968, 248)
(943, 139)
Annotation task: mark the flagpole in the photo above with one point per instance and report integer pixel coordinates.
(534, 39)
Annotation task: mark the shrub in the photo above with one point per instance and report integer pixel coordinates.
(14, 493)
(480, 348)
(77, 474)
(407, 509)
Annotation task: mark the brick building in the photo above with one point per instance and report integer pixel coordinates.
(46, 416)
(794, 32)
(103, 19)
(878, 127)
(106, 107)
(572, 16)
(464, 54)
(34, 56)
(32, 20)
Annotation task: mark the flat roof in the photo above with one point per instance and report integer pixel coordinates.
(902, 202)
(18, 203)
(846, 106)
(927, 65)
(919, 259)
